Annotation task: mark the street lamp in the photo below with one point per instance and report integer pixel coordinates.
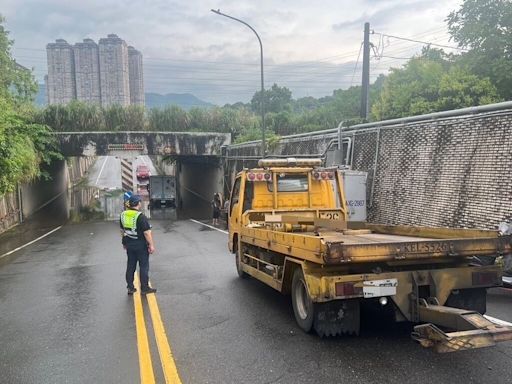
(262, 102)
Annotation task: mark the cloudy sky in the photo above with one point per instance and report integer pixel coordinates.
(309, 46)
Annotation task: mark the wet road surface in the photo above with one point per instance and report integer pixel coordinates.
(51, 216)
(66, 318)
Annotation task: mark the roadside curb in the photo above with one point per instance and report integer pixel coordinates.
(500, 291)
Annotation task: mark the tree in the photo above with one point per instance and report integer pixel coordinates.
(173, 119)
(411, 90)
(24, 145)
(305, 104)
(458, 89)
(430, 83)
(280, 123)
(436, 81)
(485, 28)
(277, 99)
(16, 82)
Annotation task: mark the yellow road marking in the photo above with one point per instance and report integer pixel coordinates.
(164, 349)
(147, 375)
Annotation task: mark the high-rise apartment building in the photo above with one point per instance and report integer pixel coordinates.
(61, 72)
(136, 76)
(114, 80)
(87, 71)
(106, 73)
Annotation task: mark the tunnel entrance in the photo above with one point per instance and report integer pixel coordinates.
(195, 180)
(199, 178)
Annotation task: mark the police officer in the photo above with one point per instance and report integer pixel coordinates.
(138, 242)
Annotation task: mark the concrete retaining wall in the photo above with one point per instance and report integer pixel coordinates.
(9, 211)
(35, 195)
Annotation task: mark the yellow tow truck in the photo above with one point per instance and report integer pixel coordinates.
(289, 228)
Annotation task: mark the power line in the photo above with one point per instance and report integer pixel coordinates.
(402, 49)
(396, 58)
(383, 45)
(357, 62)
(427, 32)
(299, 64)
(229, 73)
(208, 74)
(219, 73)
(420, 42)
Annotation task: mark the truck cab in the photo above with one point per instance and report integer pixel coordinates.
(299, 190)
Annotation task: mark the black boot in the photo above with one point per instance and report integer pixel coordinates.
(148, 290)
(132, 290)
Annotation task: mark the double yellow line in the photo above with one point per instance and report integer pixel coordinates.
(147, 375)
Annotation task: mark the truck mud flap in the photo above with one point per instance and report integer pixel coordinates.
(339, 317)
(470, 329)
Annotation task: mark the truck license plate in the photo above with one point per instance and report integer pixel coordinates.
(378, 288)
(330, 215)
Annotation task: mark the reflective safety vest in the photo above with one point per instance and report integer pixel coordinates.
(129, 222)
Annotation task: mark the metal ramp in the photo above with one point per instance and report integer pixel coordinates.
(471, 330)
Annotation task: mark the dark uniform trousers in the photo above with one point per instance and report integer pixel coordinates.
(137, 251)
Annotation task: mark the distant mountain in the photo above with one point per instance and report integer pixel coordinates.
(153, 100)
(183, 100)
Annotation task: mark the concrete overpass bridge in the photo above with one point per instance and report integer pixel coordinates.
(142, 142)
(195, 157)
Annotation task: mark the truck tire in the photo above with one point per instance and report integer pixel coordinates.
(238, 256)
(303, 306)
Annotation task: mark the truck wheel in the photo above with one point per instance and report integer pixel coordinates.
(238, 255)
(303, 306)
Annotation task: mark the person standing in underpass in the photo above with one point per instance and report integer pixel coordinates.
(138, 242)
(216, 207)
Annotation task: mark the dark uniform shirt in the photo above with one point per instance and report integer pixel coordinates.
(142, 226)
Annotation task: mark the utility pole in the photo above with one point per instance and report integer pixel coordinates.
(365, 85)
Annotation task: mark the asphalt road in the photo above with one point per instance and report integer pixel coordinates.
(65, 318)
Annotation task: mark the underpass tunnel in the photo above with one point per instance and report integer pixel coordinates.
(199, 178)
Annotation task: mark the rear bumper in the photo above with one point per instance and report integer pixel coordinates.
(438, 283)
